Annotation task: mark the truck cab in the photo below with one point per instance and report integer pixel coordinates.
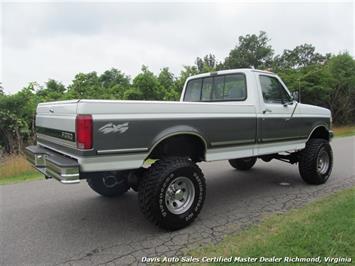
(279, 118)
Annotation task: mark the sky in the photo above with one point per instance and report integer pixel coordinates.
(41, 41)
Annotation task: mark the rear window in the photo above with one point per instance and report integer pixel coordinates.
(230, 87)
(193, 90)
(207, 85)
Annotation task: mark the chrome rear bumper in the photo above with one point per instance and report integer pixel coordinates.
(51, 164)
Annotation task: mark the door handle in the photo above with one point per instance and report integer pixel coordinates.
(267, 111)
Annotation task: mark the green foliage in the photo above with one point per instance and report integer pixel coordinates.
(330, 84)
(24, 177)
(252, 51)
(85, 86)
(206, 64)
(53, 91)
(338, 85)
(167, 81)
(17, 118)
(147, 86)
(114, 84)
(325, 80)
(301, 56)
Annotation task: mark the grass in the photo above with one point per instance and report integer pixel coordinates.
(15, 168)
(324, 228)
(344, 131)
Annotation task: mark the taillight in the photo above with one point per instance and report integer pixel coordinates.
(84, 132)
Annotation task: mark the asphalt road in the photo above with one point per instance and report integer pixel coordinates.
(45, 222)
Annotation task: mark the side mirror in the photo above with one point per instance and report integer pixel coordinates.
(296, 96)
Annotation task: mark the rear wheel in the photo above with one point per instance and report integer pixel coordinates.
(110, 185)
(243, 164)
(172, 192)
(316, 162)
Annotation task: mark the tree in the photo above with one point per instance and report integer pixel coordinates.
(16, 118)
(147, 86)
(113, 77)
(301, 56)
(133, 94)
(167, 82)
(114, 83)
(206, 64)
(252, 51)
(85, 86)
(53, 90)
(1, 89)
(339, 83)
(331, 85)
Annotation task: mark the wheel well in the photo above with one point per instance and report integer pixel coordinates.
(185, 145)
(320, 132)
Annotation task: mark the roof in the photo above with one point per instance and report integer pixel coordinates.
(230, 71)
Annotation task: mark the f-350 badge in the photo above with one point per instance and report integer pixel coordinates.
(111, 128)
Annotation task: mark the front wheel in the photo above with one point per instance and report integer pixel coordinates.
(243, 164)
(172, 192)
(316, 162)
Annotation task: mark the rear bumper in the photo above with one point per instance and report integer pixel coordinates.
(51, 164)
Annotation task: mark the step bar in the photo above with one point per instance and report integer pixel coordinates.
(53, 165)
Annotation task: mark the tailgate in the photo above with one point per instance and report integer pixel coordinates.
(55, 122)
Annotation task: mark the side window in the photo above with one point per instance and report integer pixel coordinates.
(218, 91)
(206, 89)
(235, 87)
(193, 91)
(273, 91)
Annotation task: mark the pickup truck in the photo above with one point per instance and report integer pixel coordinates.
(239, 115)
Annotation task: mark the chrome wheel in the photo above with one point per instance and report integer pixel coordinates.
(323, 162)
(179, 195)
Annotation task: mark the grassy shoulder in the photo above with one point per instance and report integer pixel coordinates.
(344, 131)
(20, 178)
(324, 228)
(15, 169)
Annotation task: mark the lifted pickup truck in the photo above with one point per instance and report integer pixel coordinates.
(237, 115)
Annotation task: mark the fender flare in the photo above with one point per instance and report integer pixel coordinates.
(325, 126)
(176, 131)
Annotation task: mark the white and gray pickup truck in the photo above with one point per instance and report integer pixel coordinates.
(238, 115)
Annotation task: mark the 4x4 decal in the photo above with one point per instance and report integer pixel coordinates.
(111, 128)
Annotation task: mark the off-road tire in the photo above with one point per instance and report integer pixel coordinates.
(155, 184)
(243, 164)
(309, 162)
(116, 188)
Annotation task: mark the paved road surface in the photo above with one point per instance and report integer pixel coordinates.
(45, 222)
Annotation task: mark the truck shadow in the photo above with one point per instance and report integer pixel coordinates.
(226, 189)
